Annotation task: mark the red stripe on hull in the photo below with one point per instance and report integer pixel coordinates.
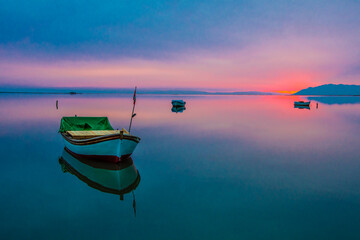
(103, 158)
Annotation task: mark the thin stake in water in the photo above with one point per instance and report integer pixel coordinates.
(133, 114)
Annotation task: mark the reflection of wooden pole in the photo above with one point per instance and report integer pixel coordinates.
(134, 203)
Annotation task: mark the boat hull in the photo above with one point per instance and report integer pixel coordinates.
(178, 103)
(302, 103)
(106, 148)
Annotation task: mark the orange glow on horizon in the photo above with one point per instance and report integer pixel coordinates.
(286, 92)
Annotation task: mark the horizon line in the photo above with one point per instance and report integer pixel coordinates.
(146, 90)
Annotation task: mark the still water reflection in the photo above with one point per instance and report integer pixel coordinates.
(178, 109)
(230, 167)
(302, 107)
(116, 178)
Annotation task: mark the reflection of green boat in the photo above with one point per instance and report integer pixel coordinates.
(115, 178)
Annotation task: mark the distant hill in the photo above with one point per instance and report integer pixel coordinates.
(332, 90)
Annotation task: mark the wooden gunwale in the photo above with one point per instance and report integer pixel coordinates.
(99, 139)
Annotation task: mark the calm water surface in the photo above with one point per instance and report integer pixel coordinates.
(228, 167)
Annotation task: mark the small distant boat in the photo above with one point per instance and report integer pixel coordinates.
(302, 103)
(94, 137)
(178, 103)
(178, 109)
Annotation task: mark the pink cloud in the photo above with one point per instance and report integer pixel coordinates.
(288, 63)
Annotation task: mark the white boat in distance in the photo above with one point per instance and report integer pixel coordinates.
(94, 137)
(178, 103)
(302, 103)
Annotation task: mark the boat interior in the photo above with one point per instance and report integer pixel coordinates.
(94, 133)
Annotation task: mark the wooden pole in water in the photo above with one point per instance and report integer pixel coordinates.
(132, 113)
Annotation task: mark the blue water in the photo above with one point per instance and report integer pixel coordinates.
(227, 167)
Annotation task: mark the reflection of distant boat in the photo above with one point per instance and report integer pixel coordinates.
(114, 178)
(178, 103)
(302, 107)
(301, 103)
(178, 109)
(95, 137)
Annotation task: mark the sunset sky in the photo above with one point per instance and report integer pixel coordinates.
(209, 45)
